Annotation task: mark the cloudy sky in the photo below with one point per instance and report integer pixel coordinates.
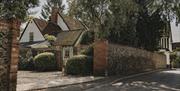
(38, 9)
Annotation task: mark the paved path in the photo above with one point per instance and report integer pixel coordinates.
(28, 80)
(160, 81)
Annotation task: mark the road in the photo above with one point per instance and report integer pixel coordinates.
(159, 81)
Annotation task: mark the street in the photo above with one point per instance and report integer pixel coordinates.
(159, 81)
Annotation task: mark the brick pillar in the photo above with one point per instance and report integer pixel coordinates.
(9, 53)
(14, 56)
(100, 57)
(59, 58)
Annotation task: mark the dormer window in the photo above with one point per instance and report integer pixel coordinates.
(31, 37)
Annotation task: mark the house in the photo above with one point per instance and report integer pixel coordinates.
(170, 39)
(67, 30)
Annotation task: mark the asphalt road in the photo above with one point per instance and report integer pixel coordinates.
(159, 81)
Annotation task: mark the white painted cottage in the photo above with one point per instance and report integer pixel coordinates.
(67, 30)
(171, 41)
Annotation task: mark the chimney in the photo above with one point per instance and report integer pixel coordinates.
(54, 15)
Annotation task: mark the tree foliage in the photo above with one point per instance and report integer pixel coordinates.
(124, 15)
(16, 8)
(149, 30)
(91, 12)
(131, 22)
(47, 8)
(50, 38)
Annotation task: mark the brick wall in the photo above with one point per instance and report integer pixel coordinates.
(123, 60)
(9, 48)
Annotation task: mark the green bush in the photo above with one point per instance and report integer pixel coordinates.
(79, 65)
(173, 56)
(26, 64)
(25, 60)
(89, 51)
(50, 38)
(176, 63)
(45, 62)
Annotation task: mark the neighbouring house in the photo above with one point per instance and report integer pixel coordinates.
(170, 39)
(69, 42)
(67, 30)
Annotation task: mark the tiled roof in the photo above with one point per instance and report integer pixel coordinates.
(51, 29)
(68, 38)
(40, 23)
(72, 23)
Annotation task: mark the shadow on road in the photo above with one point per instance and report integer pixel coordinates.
(161, 81)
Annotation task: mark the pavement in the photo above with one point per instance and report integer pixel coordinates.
(168, 80)
(29, 80)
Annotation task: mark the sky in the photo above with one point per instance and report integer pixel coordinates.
(38, 9)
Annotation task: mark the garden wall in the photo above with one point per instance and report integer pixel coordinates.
(123, 60)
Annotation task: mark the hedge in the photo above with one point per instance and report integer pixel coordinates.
(79, 65)
(45, 62)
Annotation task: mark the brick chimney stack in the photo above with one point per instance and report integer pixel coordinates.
(54, 15)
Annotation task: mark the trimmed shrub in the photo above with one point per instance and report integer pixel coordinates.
(89, 51)
(79, 65)
(45, 62)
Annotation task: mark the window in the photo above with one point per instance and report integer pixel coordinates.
(31, 37)
(67, 53)
(164, 43)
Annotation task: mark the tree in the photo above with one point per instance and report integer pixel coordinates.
(91, 12)
(122, 23)
(50, 38)
(130, 22)
(16, 8)
(47, 8)
(149, 30)
(168, 9)
(153, 21)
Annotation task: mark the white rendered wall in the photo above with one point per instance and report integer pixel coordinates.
(175, 32)
(62, 24)
(70, 49)
(32, 28)
(167, 57)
